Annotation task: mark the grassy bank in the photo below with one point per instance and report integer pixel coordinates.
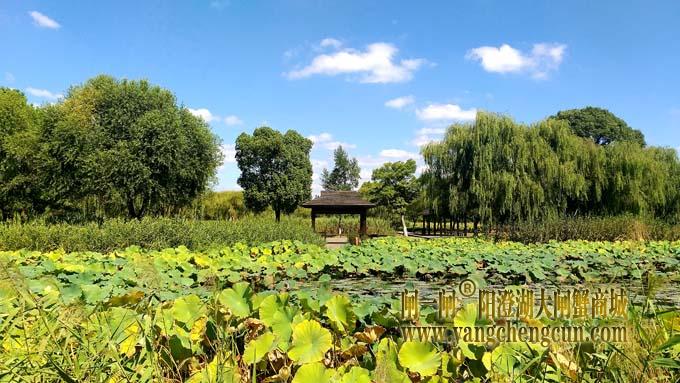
(152, 233)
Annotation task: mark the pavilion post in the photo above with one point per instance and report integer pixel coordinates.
(338, 203)
(362, 223)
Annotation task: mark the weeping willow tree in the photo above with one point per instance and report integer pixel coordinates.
(496, 171)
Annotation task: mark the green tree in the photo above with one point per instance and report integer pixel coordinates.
(128, 145)
(599, 125)
(498, 172)
(393, 185)
(345, 173)
(275, 169)
(19, 189)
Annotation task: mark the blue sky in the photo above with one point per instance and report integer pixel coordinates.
(380, 77)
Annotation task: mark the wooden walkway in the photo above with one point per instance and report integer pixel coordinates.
(336, 241)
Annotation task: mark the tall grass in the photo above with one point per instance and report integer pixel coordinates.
(152, 233)
(349, 225)
(589, 228)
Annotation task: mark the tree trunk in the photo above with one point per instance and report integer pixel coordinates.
(131, 207)
(277, 212)
(403, 224)
(142, 209)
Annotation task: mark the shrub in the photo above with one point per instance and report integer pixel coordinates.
(227, 205)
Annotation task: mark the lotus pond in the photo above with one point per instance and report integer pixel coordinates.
(287, 311)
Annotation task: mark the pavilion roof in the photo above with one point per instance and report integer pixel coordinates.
(339, 199)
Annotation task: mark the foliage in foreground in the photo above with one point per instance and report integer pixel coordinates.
(214, 316)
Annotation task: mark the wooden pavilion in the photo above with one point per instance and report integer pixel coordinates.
(340, 202)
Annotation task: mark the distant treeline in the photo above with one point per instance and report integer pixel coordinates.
(496, 171)
(110, 148)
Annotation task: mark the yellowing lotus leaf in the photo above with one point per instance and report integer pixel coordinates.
(237, 299)
(356, 375)
(339, 311)
(257, 348)
(313, 373)
(310, 342)
(420, 357)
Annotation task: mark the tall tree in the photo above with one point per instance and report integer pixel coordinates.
(19, 189)
(496, 171)
(345, 174)
(129, 145)
(275, 169)
(393, 185)
(599, 125)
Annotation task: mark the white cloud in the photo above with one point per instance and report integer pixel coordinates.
(43, 20)
(543, 58)
(229, 151)
(426, 135)
(374, 65)
(330, 42)
(43, 93)
(425, 131)
(326, 141)
(205, 114)
(399, 102)
(423, 139)
(323, 137)
(365, 174)
(370, 162)
(9, 77)
(449, 112)
(398, 154)
(232, 120)
(319, 164)
(317, 168)
(503, 59)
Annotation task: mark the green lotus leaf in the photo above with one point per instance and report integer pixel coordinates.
(94, 294)
(270, 305)
(356, 375)
(339, 311)
(187, 309)
(386, 370)
(275, 313)
(467, 316)
(310, 342)
(313, 373)
(503, 358)
(257, 348)
(216, 372)
(420, 357)
(237, 299)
